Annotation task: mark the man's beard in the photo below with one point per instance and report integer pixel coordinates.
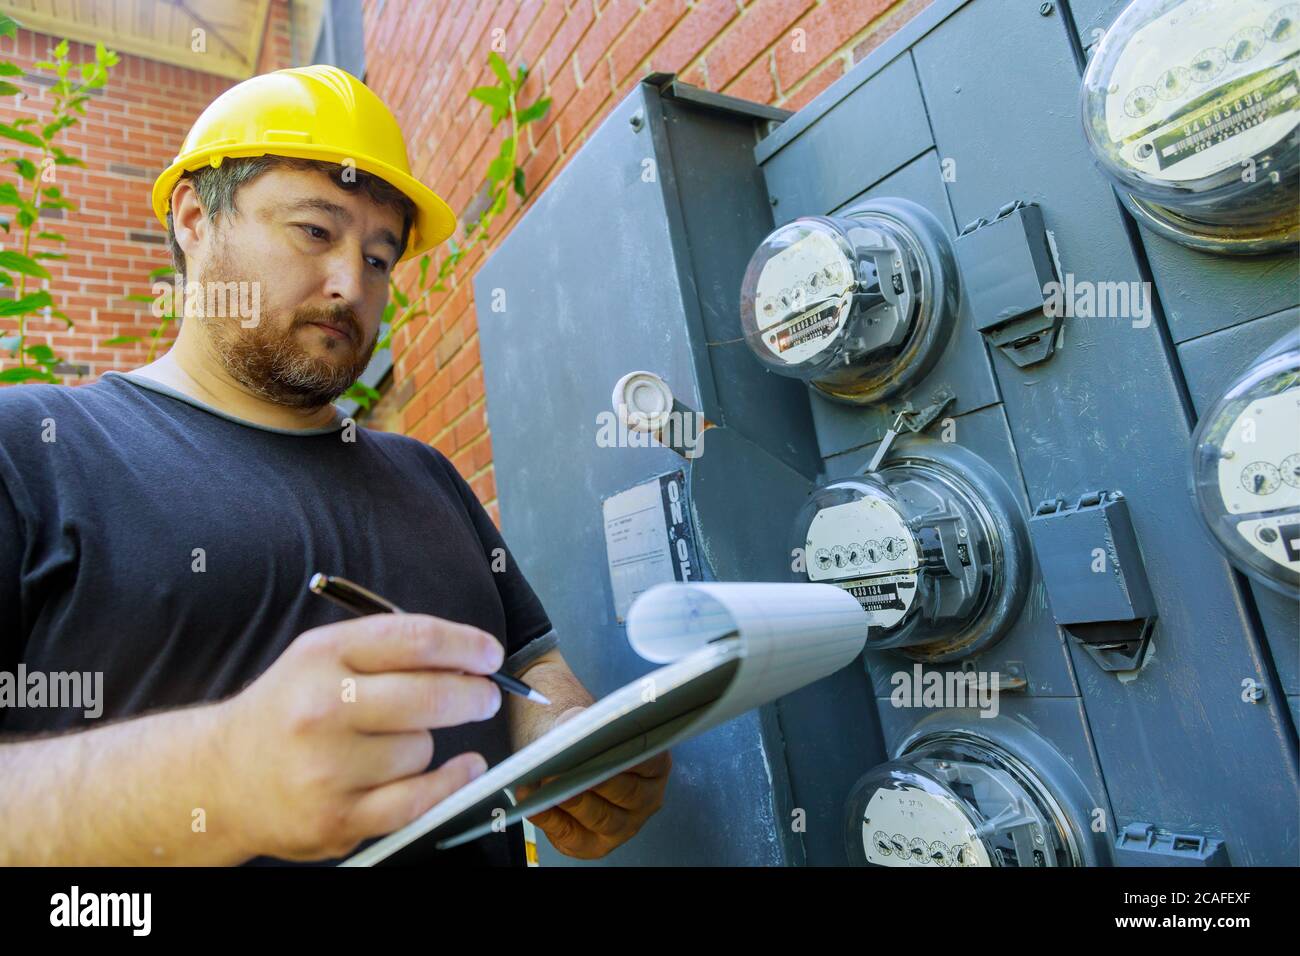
(268, 360)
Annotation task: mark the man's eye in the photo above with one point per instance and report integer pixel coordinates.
(380, 264)
(316, 232)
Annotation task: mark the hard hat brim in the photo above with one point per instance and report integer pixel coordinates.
(434, 220)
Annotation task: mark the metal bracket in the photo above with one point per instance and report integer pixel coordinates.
(1007, 265)
(1094, 575)
(913, 420)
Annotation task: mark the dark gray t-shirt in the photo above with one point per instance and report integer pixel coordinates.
(168, 545)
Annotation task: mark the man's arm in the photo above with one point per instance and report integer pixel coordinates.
(550, 675)
(327, 747)
(123, 794)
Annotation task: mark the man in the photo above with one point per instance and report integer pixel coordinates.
(159, 528)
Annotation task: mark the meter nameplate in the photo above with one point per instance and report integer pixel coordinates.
(803, 297)
(911, 827)
(648, 539)
(1201, 88)
(1259, 462)
(865, 547)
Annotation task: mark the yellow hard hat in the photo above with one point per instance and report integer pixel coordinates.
(309, 112)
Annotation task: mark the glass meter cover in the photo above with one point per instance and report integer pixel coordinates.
(1246, 469)
(1191, 107)
(850, 304)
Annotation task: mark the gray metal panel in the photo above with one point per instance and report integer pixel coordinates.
(706, 162)
(963, 368)
(878, 128)
(550, 360)
(1106, 412)
(1211, 364)
(1034, 646)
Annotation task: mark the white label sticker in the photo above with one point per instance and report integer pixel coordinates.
(865, 547)
(911, 827)
(1206, 86)
(648, 539)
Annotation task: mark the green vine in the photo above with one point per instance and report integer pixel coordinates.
(38, 362)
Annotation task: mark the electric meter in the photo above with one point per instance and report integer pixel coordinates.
(859, 305)
(1246, 469)
(1191, 107)
(959, 799)
(932, 545)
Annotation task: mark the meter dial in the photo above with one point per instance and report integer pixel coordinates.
(859, 305)
(1281, 24)
(1208, 64)
(1261, 478)
(945, 564)
(1246, 469)
(1290, 469)
(1191, 107)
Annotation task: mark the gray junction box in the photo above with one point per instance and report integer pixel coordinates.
(1147, 689)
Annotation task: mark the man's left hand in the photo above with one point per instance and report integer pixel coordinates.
(592, 823)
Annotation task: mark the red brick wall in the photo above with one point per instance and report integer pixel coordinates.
(586, 55)
(131, 131)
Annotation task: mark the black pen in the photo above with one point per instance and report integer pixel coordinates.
(360, 601)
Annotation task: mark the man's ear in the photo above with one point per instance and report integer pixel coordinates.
(190, 221)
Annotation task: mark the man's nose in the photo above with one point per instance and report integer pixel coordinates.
(345, 276)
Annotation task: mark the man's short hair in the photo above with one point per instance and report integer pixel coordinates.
(216, 187)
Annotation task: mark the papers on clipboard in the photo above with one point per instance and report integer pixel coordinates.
(726, 649)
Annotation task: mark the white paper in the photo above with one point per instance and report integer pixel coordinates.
(727, 648)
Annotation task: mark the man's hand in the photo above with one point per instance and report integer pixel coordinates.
(329, 745)
(591, 824)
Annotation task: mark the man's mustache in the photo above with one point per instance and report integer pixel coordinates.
(344, 318)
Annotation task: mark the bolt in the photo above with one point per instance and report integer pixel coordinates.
(1045, 10)
(637, 120)
(775, 200)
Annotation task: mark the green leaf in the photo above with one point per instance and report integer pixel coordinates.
(28, 303)
(521, 74)
(390, 310)
(498, 169)
(21, 136)
(8, 25)
(499, 203)
(43, 65)
(26, 375)
(5, 279)
(10, 69)
(61, 315)
(161, 271)
(8, 89)
(494, 97)
(50, 255)
(536, 111)
(41, 352)
(400, 297)
(21, 263)
(424, 268)
(501, 70)
(120, 340)
(54, 236)
(519, 182)
(52, 191)
(25, 218)
(26, 168)
(61, 50)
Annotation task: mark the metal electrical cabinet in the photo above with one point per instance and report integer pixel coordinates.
(856, 299)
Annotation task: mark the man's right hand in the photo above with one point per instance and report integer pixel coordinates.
(329, 745)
